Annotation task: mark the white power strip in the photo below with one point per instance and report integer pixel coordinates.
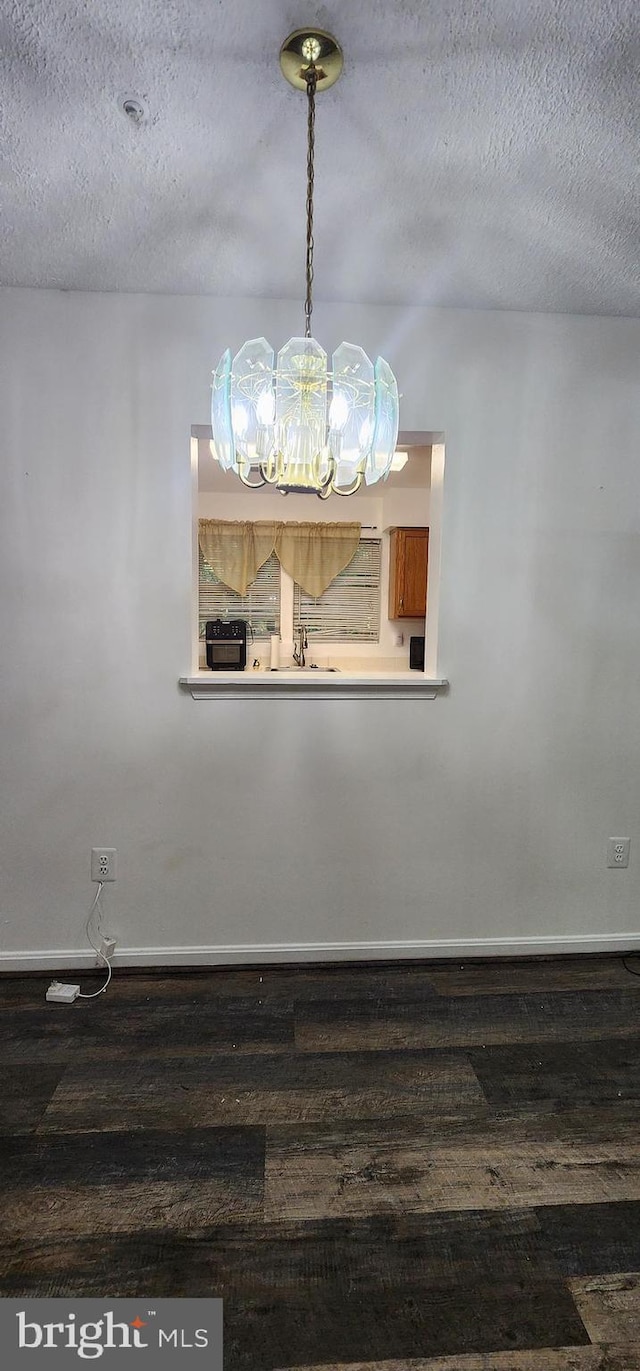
(62, 994)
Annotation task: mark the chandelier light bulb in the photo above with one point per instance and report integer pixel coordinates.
(240, 420)
(266, 408)
(292, 422)
(338, 412)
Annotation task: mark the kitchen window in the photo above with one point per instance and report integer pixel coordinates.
(260, 606)
(349, 609)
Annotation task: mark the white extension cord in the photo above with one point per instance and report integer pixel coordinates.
(61, 993)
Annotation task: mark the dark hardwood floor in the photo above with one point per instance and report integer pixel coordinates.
(429, 1167)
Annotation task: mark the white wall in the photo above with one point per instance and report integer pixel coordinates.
(481, 815)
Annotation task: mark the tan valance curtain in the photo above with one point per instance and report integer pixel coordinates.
(236, 549)
(313, 554)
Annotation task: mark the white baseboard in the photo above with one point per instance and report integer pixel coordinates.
(260, 954)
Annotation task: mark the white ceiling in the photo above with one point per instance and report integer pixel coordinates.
(477, 153)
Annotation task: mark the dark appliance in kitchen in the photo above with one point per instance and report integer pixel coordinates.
(226, 644)
(416, 653)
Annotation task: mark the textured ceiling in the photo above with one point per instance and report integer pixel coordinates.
(478, 153)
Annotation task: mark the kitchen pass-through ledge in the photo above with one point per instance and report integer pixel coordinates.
(312, 685)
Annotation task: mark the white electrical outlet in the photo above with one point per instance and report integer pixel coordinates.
(618, 851)
(107, 946)
(103, 864)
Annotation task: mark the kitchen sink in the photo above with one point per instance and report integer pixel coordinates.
(299, 669)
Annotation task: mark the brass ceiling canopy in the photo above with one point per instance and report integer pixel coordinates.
(308, 48)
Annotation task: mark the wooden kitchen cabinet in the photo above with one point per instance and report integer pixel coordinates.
(408, 561)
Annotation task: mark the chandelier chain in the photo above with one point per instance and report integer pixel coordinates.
(311, 78)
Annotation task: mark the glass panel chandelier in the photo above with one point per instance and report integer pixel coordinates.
(292, 423)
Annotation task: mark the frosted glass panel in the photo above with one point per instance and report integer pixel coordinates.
(353, 404)
(301, 411)
(221, 413)
(385, 434)
(251, 397)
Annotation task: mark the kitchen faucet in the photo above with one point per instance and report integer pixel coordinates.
(300, 641)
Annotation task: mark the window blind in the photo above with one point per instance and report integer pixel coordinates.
(349, 610)
(260, 606)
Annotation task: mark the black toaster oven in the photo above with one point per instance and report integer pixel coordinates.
(226, 644)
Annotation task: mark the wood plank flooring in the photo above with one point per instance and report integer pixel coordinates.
(420, 1167)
